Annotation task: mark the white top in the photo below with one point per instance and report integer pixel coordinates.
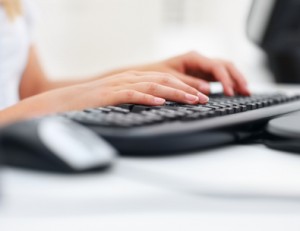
(15, 40)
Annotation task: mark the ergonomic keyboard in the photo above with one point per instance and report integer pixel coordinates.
(175, 127)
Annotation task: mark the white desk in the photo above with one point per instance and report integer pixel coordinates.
(241, 187)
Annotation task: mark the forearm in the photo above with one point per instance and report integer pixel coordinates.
(47, 85)
(35, 81)
(50, 84)
(50, 102)
(17, 112)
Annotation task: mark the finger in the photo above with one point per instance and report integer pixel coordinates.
(221, 74)
(165, 79)
(195, 61)
(240, 81)
(169, 93)
(136, 97)
(199, 84)
(196, 83)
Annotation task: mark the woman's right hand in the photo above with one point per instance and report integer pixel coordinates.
(147, 88)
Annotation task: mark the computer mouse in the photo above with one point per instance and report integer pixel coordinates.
(55, 144)
(283, 133)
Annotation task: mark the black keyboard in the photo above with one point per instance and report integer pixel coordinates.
(175, 127)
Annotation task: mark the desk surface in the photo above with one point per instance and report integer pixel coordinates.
(240, 187)
(152, 195)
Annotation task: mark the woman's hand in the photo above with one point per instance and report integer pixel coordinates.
(183, 79)
(148, 88)
(197, 70)
(191, 68)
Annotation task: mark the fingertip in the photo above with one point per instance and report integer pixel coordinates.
(158, 101)
(204, 87)
(247, 92)
(228, 91)
(244, 91)
(191, 98)
(203, 99)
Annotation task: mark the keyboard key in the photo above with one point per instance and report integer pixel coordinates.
(140, 108)
(222, 111)
(130, 115)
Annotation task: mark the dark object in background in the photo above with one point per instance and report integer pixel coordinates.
(275, 26)
(283, 133)
(54, 144)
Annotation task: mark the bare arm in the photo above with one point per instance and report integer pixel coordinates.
(182, 79)
(35, 80)
(149, 88)
(191, 68)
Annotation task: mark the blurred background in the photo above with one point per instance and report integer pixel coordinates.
(85, 37)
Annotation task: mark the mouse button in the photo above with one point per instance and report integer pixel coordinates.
(286, 126)
(91, 140)
(75, 145)
(94, 143)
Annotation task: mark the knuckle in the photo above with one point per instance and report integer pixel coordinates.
(217, 67)
(145, 98)
(129, 94)
(132, 72)
(155, 73)
(166, 78)
(230, 64)
(193, 53)
(225, 63)
(219, 60)
(192, 90)
(119, 75)
(152, 87)
(178, 94)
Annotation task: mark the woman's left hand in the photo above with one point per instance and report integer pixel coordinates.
(198, 70)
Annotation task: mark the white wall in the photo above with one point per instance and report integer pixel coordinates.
(82, 37)
(86, 36)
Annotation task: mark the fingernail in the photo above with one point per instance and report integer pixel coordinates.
(191, 98)
(203, 98)
(204, 87)
(159, 100)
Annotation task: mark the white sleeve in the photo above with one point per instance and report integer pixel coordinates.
(15, 40)
(31, 15)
